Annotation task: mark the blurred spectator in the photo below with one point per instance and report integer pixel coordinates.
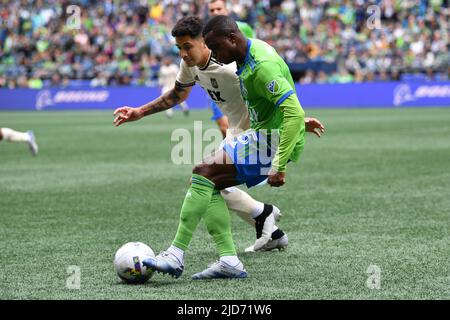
(323, 41)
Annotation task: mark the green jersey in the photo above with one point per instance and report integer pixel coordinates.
(245, 29)
(269, 92)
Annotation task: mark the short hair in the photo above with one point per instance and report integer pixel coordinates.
(188, 26)
(221, 25)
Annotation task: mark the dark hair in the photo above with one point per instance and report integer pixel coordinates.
(188, 26)
(221, 25)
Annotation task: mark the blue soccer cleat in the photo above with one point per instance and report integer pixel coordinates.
(165, 262)
(221, 270)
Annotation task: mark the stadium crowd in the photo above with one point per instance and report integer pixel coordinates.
(122, 42)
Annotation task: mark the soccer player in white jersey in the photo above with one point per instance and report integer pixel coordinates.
(11, 135)
(167, 76)
(222, 85)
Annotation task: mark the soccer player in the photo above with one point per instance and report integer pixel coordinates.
(203, 199)
(167, 76)
(16, 136)
(218, 8)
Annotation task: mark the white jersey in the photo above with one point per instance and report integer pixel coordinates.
(168, 76)
(222, 84)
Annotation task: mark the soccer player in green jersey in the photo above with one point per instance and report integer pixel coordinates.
(203, 201)
(219, 8)
(267, 88)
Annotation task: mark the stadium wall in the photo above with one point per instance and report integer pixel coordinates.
(365, 95)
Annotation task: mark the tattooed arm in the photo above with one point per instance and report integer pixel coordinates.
(166, 101)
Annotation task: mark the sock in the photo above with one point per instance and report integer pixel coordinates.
(169, 113)
(177, 252)
(218, 222)
(277, 234)
(184, 106)
(14, 136)
(259, 220)
(242, 202)
(194, 206)
(232, 261)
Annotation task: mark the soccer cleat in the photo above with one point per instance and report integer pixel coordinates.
(280, 244)
(264, 224)
(165, 262)
(32, 143)
(220, 270)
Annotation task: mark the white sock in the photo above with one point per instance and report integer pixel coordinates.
(14, 136)
(238, 200)
(177, 252)
(232, 261)
(184, 106)
(169, 113)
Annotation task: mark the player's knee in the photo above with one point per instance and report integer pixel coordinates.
(203, 170)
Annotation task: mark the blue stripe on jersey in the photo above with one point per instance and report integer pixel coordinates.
(284, 97)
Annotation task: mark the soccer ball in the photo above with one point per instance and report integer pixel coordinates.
(128, 262)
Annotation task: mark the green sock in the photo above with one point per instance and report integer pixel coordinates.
(218, 222)
(194, 206)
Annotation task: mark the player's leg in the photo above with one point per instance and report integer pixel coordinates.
(184, 106)
(1, 135)
(251, 211)
(218, 223)
(252, 154)
(16, 136)
(169, 113)
(216, 173)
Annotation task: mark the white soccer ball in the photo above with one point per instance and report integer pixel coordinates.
(128, 262)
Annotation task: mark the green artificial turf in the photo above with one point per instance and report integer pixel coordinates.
(374, 190)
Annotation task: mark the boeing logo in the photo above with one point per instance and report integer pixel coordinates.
(404, 93)
(44, 97)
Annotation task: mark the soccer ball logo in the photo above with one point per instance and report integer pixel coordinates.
(128, 262)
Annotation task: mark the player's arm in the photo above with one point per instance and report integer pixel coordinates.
(171, 98)
(222, 123)
(273, 86)
(293, 124)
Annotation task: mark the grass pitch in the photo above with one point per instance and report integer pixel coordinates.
(374, 191)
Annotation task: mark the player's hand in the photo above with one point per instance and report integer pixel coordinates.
(126, 114)
(276, 179)
(315, 126)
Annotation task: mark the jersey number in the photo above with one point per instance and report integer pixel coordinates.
(215, 95)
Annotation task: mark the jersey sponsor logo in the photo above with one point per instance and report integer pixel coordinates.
(214, 83)
(273, 87)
